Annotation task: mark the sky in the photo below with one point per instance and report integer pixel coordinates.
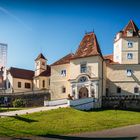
(56, 27)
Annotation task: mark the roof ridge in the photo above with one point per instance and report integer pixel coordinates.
(20, 68)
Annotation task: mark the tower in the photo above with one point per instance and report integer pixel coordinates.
(127, 45)
(40, 64)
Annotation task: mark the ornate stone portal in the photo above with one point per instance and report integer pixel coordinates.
(84, 87)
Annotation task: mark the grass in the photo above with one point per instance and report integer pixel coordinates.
(65, 121)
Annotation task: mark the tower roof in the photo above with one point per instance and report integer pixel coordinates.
(89, 46)
(40, 56)
(131, 26)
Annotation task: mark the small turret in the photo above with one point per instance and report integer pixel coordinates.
(40, 64)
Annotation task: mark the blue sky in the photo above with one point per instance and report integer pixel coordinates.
(56, 27)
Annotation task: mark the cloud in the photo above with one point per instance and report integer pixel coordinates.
(5, 11)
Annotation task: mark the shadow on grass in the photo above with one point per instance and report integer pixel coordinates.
(23, 119)
(59, 137)
(105, 109)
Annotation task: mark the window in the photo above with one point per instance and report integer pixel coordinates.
(9, 85)
(107, 91)
(43, 83)
(43, 63)
(83, 68)
(83, 79)
(19, 84)
(130, 33)
(129, 72)
(130, 56)
(118, 90)
(63, 72)
(130, 44)
(27, 85)
(63, 89)
(136, 90)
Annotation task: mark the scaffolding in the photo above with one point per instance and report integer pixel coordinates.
(3, 55)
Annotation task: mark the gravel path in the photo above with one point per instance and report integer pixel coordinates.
(28, 111)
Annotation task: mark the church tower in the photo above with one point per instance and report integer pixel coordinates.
(40, 64)
(127, 45)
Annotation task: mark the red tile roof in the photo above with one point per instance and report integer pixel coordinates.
(89, 46)
(130, 26)
(109, 59)
(40, 56)
(47, 72)
(66, 59)
(21, 73)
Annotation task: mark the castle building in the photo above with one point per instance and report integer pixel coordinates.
(86, 73)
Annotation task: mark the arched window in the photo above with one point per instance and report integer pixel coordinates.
(63, 89)
(83, 79)
(43, 83)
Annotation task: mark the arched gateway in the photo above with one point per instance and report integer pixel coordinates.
(83, 92)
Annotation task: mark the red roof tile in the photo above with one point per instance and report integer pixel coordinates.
(66, 59)
(21, 73)
(109, 59)
(88, 47)
(40, 56)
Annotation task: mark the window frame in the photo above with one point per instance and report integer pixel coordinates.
(129, 72)
(119, 89)
(82, 68)
(136, 89)
(131, 54)
(63, 89)
(27, 85)
(130, 42)
(63, 72)
(43, 83)
(19, 84)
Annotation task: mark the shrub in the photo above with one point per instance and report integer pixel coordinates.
(18, 103)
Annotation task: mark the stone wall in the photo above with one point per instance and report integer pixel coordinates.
(122, 102)
(31, 99)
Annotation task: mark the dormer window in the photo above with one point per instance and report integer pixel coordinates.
(129, 56)
(130, 44)
(130, 33)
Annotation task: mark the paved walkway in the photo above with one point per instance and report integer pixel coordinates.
(32, 110)
(128, 132)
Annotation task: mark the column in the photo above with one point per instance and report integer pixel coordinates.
(96, 90)
(76, 93)
(89, 90)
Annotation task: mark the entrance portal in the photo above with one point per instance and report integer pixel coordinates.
(83, 92)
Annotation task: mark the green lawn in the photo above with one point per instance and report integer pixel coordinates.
(65, 121)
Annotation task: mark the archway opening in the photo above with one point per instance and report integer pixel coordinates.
(83, 93)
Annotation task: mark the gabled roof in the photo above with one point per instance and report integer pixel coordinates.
(40, 56)
(47, 72)
(21, 73)
(131, 26)
(89, 46)
(66, 59)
